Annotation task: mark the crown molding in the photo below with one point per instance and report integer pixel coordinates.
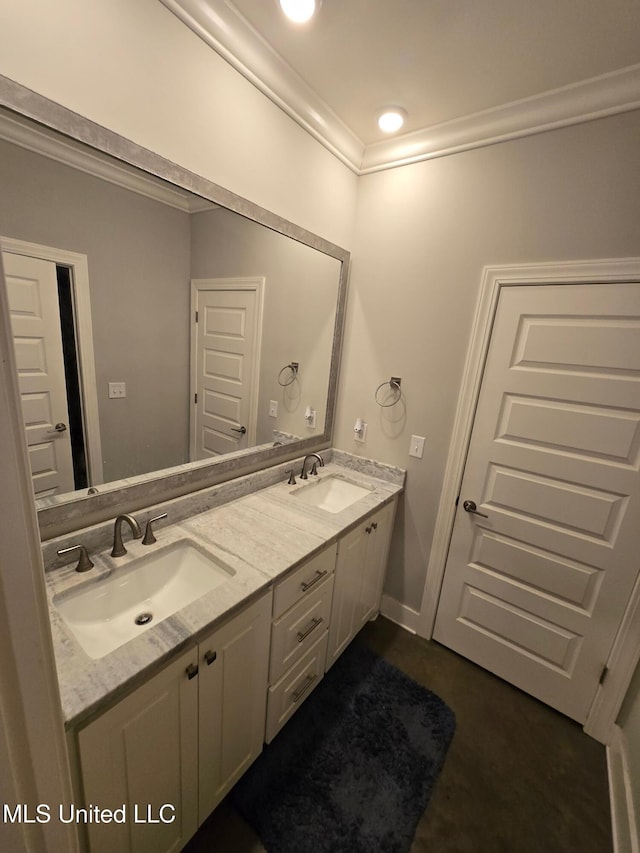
(609, 94)
(224, 29)
(64, 150)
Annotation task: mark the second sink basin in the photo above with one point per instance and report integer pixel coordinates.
(332, 493)
(108, 613)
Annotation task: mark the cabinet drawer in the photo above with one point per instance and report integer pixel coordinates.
(297, 630)
(303, 581)
(285, 697)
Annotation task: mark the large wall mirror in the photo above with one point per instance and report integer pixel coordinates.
(166, 332)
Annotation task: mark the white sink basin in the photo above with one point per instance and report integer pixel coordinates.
(103, 615)
(331, 493)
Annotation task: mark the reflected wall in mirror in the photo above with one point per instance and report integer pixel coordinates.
(132, 262)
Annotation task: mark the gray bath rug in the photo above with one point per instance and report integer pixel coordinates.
(354, 768)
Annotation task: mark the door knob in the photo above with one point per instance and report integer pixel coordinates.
(58, 428)
(470, 506)
(241, 429)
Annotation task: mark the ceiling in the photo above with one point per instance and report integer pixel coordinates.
(521, 65)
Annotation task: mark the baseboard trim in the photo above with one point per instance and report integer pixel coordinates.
(400, 614)
(624, 821)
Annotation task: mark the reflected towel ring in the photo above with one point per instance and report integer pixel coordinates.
(394, 384)
(293, 367)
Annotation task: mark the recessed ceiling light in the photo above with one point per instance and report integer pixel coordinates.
(299, 11)
(391, 119)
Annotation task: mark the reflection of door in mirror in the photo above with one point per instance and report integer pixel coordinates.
(48, 297)
(32, 287)
(144, 240)
(225, 353)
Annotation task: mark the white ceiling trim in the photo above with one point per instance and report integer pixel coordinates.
(609, 94)
(222, 27)
(229, 33)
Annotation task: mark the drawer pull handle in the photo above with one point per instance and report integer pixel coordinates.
(319, 575)
(210, 657)
(192, 671)
(297, 696)
(302, 635)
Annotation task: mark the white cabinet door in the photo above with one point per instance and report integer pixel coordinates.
(140, 758)
(360, 569)
(233, 667)
(378, 542)
(352, 551)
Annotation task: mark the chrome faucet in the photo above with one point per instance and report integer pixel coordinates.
(317, 458)
(118, 549)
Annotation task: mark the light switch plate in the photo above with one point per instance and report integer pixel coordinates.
(273, 408)
(416, 448)
(117, 389)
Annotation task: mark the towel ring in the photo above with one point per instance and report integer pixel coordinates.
(393, 383)
(293, 367)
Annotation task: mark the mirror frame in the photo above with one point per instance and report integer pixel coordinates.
(158, 486)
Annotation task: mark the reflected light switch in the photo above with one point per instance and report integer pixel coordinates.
(117, 389)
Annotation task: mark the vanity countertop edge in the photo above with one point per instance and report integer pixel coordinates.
(262, 536)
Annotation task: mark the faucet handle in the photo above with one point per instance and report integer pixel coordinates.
(292, 478)
(149, 538)
(84, 563)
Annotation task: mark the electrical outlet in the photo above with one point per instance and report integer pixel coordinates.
(117, 389)
(416, 448)
(273, 408)
(311, 419)
(361, 434)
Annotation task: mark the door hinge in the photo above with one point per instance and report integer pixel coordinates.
(603, 675)
(196, 316)
(195, 399)
(457, 499)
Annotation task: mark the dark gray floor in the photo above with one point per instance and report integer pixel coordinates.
(518, 778)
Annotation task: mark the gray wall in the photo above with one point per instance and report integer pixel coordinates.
(138, 255)
(424, 233)
(301, 290)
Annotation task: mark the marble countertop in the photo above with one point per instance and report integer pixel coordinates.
(261, 536)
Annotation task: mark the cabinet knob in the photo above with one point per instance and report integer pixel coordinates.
(375, 525)
(210, 656)
(192, 671)
(367, 529)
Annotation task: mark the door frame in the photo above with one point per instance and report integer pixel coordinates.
(79, 267)
(257, 284)
(625, 653)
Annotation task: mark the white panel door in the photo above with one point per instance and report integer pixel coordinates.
(226, 355)
(535, 591)
(32, 286)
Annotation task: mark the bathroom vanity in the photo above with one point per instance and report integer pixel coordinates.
(162, 726)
